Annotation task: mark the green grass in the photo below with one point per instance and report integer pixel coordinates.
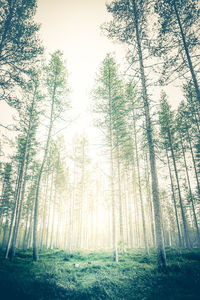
(93, 275)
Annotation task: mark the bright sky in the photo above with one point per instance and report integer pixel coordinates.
(73, 26)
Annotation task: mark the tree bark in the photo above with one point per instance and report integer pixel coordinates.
(174, 201)
(20, 186)
(191, 196)
(114, 238)
(139, 185)
(18, 219)
(35, 224)
(49, 211)
(130, 216)
(161, 257)
(44, 214)
(185, 226)
(137, 221)
(121, 225)
(149, 198)
(194, 162)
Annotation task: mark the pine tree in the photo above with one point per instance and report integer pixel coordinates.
(20, 46)
(132, 102)
(182, 129)
(166, 120)
(129, 26)
(26, 143)
(106, 96)
(178, 38)
(56, 92)
(6, 200)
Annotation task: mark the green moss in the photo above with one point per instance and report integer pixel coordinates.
(93, 275)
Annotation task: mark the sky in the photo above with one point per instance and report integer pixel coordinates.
(73, 26)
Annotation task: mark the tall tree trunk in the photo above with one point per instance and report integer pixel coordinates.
(82, 198)
(130, 216)
(139, 185)
(20, 185)
(26, 227)
(196, 116)
(194, 162)
(30, 232)
(5, 231)
(161, 257)
(72, 201)
(174, 201)
(185, 225)
(18, 218)
(53, 219)
(121, 225)
(191, 196)
(44, 213)
(14, 214)
(149, 198)
(35, 224)
(114, 237)
(137, 221)
(57, 230)
(49, 211)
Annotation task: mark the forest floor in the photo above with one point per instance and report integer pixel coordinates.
(93, 275)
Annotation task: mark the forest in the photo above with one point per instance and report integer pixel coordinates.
(122, 223)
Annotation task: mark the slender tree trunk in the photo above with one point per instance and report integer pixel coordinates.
(114, 237)
(20, 189)
(49, 211)
(82, 200)
(139, 185)
(194, 162)
(26, 227)
(53, 219)
(72, 201)
(191, 196)
(185, 225)
(44, 214)
(18, 218)
(14, 215)
(174, 201)
(161, 257)
(126, 215)
(2, 196)
(115, 250)
(30, 232)
(57, 231)
(136, 212)
(70, 223)
(196, 116)
(66, 229)
(149, 198)
(96, 217)
(5, 231)
(130, 216)
(35, 224)
(121, 225)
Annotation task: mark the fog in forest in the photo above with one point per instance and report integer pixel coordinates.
(99, 149)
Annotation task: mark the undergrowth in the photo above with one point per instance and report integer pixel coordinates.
(93, 275)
